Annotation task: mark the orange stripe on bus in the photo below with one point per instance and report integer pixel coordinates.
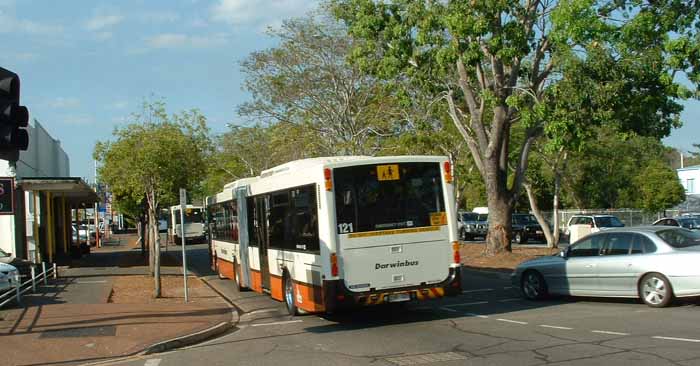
(311, 297)
(225, 268)
(255, 281)
(276, 288)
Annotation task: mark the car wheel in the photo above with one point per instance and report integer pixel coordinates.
(533, 285)
(289, 295)
(520, 238)
(655, 290)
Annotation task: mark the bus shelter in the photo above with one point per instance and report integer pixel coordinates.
(48, 207)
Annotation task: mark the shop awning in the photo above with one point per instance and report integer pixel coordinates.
(74, 189)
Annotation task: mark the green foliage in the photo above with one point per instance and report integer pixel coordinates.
(658, 188)
(306, 81)
(154, 153)
(605, 174)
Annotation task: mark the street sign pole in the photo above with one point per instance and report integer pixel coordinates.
(183, 207)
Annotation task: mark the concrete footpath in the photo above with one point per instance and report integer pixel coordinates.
(94, 312)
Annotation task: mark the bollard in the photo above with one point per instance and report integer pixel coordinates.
(43, 268)
(18, 291)
(55, 273)
(33, 278)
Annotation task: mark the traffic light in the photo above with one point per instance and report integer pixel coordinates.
(13, 117)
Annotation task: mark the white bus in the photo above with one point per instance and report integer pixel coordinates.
(194, 224)
(325, 233)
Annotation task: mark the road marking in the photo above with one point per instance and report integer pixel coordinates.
(262, 311)
(555, 327)
(86, 282)
(509, 300)
(477, 315)
(468, 304)
(477, 290)
(276, 323)
(507, 287)
(511, 321)
(609, 332)
(678, 339)
(152, 362)
(448, 309)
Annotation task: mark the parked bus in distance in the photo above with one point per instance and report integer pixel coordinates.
(328, 233)
(194, 224)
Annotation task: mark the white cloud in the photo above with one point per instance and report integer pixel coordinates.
(79, 120)
(10, 24)
(179, 40)
(120, 104)
(245, 12)
(159, 17)
(64, 103)
(100, 22)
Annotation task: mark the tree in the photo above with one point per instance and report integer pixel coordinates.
(307, 82)
(150, 159)
(494, 62)
(658, 188)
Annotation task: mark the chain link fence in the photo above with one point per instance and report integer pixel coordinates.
(630, 217)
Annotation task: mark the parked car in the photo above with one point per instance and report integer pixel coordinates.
(582, 225)
(526, 227)
(8, 275)
(22, 265)
(471, 225)
(687, 222)
(654, 263)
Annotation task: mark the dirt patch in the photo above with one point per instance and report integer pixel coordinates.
(474, 256)
(139, 290)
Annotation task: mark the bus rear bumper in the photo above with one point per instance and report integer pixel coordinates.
(336, 296)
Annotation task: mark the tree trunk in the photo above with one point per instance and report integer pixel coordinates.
(500, 222)
(555, 207)
(540, 218)
(139, 232)
(155, 243)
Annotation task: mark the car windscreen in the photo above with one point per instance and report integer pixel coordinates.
(608, 221)
(192, 215)
(690, 223)
(483, 217)
(524, 219)
(679, 237)
(388, 196)
(470, 216)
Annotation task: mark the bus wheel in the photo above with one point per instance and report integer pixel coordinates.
(237, 275)
(289, 295)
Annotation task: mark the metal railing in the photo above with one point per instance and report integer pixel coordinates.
(15, 293)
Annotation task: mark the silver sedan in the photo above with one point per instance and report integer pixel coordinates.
(654, 263)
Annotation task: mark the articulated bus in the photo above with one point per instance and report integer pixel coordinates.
(194, 224)
(323, 234)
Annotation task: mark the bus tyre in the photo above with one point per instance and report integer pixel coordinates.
(289, 295)
(237, 275)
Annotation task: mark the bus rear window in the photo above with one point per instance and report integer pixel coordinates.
(388, 196)
(192, 216)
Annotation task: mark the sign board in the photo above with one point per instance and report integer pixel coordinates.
(7, 196)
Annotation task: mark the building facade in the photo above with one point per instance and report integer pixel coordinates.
(689, 178)
(40, 228)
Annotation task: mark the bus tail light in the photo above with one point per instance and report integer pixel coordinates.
(455, 252)
(328, 179)
(334, 265)
(448, 172)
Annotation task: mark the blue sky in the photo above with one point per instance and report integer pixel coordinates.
(85, 65)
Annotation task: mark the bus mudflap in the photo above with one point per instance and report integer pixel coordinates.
(336, 296)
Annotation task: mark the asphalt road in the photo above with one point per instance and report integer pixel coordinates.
(489, 324)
